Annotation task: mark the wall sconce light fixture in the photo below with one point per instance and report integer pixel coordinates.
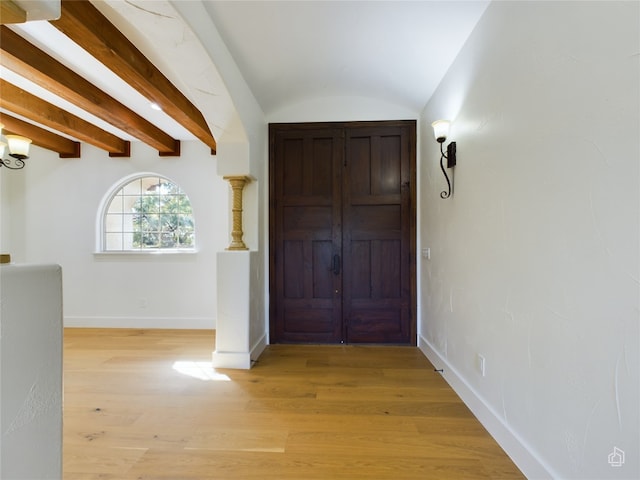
(18, 151)
(441, 131)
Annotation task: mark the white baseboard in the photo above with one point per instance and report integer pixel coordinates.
(258, 348)
(240, 360)
(186, 323)
(526, 460)
(237, 360)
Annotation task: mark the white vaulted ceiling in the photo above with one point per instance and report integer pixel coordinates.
(397, 51)
(287, 51)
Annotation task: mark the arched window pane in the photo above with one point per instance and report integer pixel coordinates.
(148, 213)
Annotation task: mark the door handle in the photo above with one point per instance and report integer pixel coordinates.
(336, 264)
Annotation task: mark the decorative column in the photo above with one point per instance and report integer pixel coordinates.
(237, 185)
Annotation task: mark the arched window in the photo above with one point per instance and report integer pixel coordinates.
(147, 213)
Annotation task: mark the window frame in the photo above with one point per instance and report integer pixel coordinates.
(101, 220)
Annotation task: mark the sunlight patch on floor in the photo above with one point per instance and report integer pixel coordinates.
(199, 370)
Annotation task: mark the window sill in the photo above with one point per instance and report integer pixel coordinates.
(144, 254)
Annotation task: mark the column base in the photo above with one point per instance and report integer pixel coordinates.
(241, 246)
(239, 360)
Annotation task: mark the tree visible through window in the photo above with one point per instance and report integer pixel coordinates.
(149, 212)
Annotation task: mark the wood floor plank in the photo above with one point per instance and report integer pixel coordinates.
(239, 440)
(204, 465)
(423, 408)
(146, 404)
(384, 393)
(110, 461)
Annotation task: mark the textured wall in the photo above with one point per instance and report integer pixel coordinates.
(31, 373)
(534, 261)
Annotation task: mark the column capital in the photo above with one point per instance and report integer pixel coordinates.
(237, 178)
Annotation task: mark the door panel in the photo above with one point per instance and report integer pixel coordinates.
(305, 236)
(345, 192)
(378, 214)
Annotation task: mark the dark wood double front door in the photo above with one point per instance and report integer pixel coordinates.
(342, 230)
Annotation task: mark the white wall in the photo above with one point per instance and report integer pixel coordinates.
(49, 212)
(534, 260)
(31, 372)
(341, 109)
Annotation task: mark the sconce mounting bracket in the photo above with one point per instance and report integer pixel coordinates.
(451, 155)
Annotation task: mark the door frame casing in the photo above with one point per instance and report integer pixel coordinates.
(412, 145)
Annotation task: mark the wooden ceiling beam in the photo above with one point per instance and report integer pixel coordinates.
(87, 27)
(11, 13)
(64, 146)
(29, 106)
(25, 59)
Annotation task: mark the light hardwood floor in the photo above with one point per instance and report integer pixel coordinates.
(145, 404)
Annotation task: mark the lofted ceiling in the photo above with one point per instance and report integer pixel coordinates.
(90, 76)
(393, 50)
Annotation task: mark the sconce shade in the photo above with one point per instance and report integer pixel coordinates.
(18, 146)
(441, 130)
(2, 145)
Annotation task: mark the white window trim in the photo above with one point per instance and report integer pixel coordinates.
(99, 226)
